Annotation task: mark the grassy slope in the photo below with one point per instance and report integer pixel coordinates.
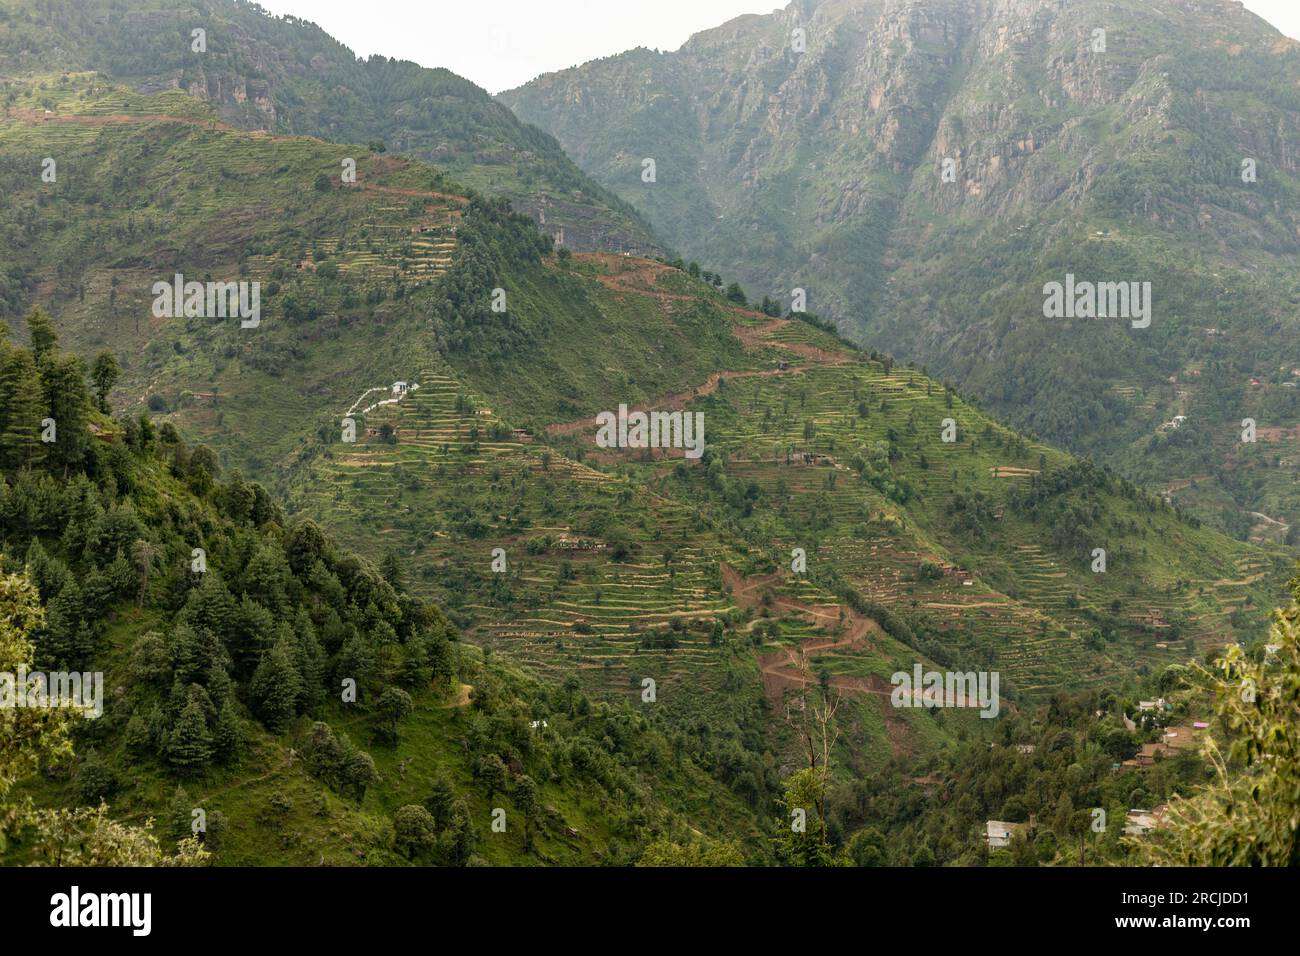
(821, 171)
(602, 330)
(277, 813)
(286, 75)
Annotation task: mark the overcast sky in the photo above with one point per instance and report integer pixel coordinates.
(501, 44)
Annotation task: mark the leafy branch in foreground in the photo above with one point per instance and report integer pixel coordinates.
(33, 738)
(1250, 814)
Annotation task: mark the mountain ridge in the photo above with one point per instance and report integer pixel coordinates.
(827, 171)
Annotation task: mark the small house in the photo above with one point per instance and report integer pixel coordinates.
(1141, 822)
(1146, 755)
(998, 833)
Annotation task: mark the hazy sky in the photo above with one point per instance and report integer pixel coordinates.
(500, 44)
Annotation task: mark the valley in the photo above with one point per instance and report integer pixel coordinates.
(367, 576)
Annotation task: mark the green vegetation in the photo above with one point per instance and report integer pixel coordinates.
(285, 75)
(244, 655)
(822, 171)
(625, 655)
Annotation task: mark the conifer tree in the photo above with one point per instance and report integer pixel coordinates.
(275, 687)
(189, 746)
(40, 331)
(63, 387)
(104, 373)
(20, 410)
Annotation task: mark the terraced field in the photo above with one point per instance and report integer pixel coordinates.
(848, 456)
(564, 600)
(619, 561)
(930, 533)
(350, 264)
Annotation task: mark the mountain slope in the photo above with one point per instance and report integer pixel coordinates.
(616, 566)
(825, 170)
(285, 75)
(223, 635)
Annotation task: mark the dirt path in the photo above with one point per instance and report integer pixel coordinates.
(780, 668)
(640, 276)
(233, 785)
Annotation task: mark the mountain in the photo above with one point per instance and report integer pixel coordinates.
(923, 169)
(391, 278)
(286, 75)
(222, 634)
(421, 382)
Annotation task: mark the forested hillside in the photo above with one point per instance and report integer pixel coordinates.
(923, 169)
(367, 580)
(286, 75)
(300, 697)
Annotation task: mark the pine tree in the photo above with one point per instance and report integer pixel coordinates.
(104, 373)
(525, 797)
(20, 410)
(189, 746)
(275, 687)
(63, 387)
(228, 735)
(310, 659)
(391, 568)
(40, 331)
(414, 669)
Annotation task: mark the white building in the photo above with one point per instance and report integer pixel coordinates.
(998, 833)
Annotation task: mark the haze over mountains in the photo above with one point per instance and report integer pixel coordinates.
(1113, 157)
(624, 646)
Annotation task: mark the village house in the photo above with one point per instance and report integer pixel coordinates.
(1147, 753)
(571, 543)
(998, 833)
(1153, 618)
(1025, 749)
(1141, 822)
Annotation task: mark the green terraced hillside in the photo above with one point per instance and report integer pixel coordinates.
(285, 75)
(634, 590)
